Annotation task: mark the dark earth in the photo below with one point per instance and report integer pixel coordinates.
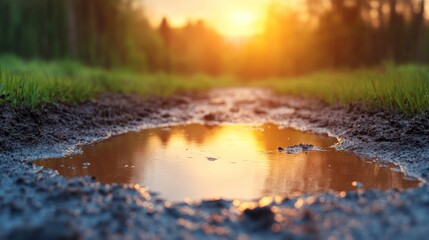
(38, 203)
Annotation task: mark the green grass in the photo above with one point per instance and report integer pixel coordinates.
(31, 84)
(399, 88)
(31, 90)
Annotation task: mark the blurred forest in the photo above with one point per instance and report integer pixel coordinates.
(323, 34)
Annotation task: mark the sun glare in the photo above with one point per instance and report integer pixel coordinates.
(233, 19)
(240, 24)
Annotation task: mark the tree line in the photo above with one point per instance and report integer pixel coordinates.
(338, 34)
(106, 33)
(321, 34)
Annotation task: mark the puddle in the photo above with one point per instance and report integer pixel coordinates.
(232, 161)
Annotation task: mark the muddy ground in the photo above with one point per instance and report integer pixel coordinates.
(37, 203)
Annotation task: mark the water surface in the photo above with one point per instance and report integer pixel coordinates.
(232, 161)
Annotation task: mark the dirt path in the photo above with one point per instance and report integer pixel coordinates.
(39, 203)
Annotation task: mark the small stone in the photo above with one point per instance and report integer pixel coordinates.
(259, 218)
(234, 110)
(357, 184)
(300, 148)
(209, 117)
(259, 111)
(166, 115)
(384, 166)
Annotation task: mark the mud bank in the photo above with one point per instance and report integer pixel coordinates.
(39, 204)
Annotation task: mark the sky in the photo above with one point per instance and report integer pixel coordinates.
(232, 18)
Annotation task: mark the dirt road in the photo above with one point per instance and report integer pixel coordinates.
(37, 203)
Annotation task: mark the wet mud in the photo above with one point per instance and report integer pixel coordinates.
(40, 204)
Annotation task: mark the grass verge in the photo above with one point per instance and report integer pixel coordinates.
(31, 84)
(399, 88)
(35, 83)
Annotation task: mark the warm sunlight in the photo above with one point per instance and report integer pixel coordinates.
(233, 19)
(171, 119)
(241, 24)
(229, 161)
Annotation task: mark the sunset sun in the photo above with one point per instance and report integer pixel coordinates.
(240, 24)
(232, 19)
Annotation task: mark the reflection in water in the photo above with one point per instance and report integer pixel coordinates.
(174, 162)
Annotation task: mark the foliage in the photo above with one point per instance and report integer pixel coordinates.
(318, 35)
(36, 83)
(105, 33)
(404, 88)
(336, 34)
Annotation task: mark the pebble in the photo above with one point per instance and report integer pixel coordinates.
(357, 184)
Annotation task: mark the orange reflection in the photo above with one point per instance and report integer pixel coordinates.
(174, 162)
